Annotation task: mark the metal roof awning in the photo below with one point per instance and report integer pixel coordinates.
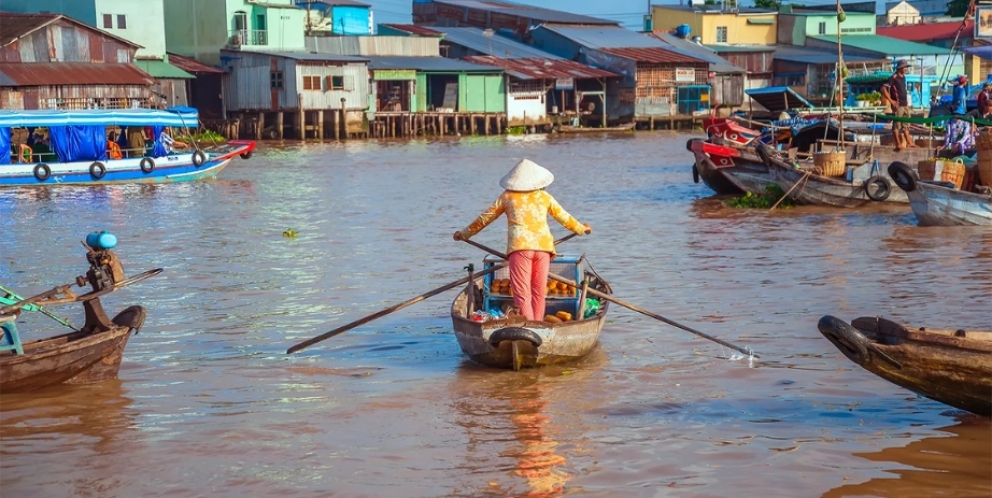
(542, 69)
(71, 73)
(778, 98)
(162, 70)
(179, 116)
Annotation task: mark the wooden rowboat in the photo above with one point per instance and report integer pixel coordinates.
(941, 203)
(950, 366)
(90, 354)
(579, 129)
(73, 358)
(513, 342)
(729, 169)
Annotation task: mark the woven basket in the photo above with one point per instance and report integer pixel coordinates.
(929, 143)
(831, 163)
(985, 157)
(953, 171)
(926, 168)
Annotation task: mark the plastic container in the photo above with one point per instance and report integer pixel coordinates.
(101, 240)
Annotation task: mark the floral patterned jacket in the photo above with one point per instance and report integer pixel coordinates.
(527, 217)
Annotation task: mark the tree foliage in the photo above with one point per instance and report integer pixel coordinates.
(957, 8)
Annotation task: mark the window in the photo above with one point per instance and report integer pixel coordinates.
(311, 83)
(822, 30)
(721, 34)
(337, 82)
(121, 21)
(108, 21)
(275, 79)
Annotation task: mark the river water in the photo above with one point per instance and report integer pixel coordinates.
(209, 404)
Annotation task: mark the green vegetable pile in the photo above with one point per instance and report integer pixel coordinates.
(765, 201)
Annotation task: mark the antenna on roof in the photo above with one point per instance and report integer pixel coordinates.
(488, 33)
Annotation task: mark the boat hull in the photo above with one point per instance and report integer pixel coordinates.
(935, 205)
(818, 190)
(952, 367)
(168, 169)
(730, 169)
(74, 358)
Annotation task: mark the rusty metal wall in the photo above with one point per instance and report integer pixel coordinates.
(67, 42)
(248, 86)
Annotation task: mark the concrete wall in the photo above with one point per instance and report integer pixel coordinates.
(739, 31)
(525, 104)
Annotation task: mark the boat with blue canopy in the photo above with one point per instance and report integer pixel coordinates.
(98, 146)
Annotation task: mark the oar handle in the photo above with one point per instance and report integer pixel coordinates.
(396, 307)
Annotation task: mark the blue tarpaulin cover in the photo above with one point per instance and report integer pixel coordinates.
(159, 150)
(4, 145)
(79, 143)
(184, 117)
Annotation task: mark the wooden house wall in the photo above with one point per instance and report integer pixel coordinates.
(355, 92)
(173, 91)
(44, 97)
(753, 62)
(66, 42)
(658, 80)
(247, 87)
(727, 90)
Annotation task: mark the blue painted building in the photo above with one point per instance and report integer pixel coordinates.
(337, 17)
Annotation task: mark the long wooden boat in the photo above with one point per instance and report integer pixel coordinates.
(583, 129)
(940, 203)
(815, 189)
(83, 155)
(953, 367)
(729, 169)
(513, 342)
(90, 354)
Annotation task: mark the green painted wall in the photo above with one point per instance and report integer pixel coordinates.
(420, 96)
(855, 24)
(478, 93)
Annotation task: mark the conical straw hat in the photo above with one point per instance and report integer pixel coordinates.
(526, 176)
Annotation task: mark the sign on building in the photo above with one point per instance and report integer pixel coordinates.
(686, 75)
(983, 22)
(564, 83)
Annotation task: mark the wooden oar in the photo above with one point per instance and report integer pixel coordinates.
(627, 305)
(395, 307)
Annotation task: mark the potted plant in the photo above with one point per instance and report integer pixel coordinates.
(863, 99)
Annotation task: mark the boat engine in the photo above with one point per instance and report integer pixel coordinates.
(105, 272)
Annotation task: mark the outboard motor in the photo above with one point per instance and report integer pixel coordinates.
(105, 272)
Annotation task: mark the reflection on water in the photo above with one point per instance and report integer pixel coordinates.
(957, 462)
(208, 404)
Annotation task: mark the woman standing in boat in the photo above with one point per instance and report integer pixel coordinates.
(530, 245)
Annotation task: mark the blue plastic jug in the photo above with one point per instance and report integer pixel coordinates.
(101, 240)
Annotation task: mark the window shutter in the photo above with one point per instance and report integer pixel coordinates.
(349, 83)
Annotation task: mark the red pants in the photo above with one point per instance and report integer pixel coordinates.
(529, 280)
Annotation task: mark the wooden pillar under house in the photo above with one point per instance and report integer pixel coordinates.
(320, 124)
(259, 125)
(344, 120)
(279, 124)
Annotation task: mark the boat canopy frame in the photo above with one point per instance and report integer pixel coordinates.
(183, 117)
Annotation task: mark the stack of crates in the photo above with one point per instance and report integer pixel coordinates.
(565, 265)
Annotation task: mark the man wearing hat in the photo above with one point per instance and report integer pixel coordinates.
(959, 97)
(900, 100)
(530, 245)
(984, 102)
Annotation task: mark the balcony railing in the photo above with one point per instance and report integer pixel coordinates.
(93, 103)
(240, 37)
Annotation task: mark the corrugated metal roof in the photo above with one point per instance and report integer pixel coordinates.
(536, 13)
(738, 49)
(717, 64)
(275, 5)
(334, 3)
(654, 55)
(803, 55)
(605, 36)
(542, 69)
(475, 39)
(191, 65)
(715, 9)
(883, 45)
(71, 73)
(926, 7)
(928, 32)
(300, 56)
(15, 26)
(159, 69)
(429, 64)
(413, 29)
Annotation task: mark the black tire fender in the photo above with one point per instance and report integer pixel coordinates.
(695, 174)
(762, 151)
(883, 188)
(514, 334)
(98, 170)
(903, 175)
(199, 158)
(42, 172)
(246, 155)
(147, 164)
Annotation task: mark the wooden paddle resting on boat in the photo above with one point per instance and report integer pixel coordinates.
(950, 366)
(502, 341)
(91, 354)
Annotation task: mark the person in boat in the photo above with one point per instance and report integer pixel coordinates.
(530, 245)
(136, 141)
(887, 99)
(170, 143)
(900, 101)
(113, 150)
(984, 108)
(959, 95)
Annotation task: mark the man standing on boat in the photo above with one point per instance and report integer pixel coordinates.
(530, 245)
(900, 100)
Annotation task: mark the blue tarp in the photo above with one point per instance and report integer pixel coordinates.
(159, 149)
(79, 143)
(982, 52)
(124, 117)
(4, 145)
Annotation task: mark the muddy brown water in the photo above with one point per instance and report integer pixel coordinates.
(208, 404)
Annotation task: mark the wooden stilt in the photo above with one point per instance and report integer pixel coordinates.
(259, 125)
(320, 124)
